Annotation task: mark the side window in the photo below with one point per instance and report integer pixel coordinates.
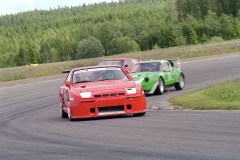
(166, 66)
(128, 63)
(134, 61)
(170, 66)
(68, 78)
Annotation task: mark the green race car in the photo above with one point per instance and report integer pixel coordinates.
(155, 75)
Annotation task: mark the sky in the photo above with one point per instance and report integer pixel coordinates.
(17, 6)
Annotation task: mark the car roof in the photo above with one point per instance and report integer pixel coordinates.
(111, 59)
(91, 67)
(160, 60)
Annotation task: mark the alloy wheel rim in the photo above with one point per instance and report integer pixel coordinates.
(68, 109)
(161, 86)
(181, 82)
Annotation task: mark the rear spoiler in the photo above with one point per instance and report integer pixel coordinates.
(65, 71)
(174, 62)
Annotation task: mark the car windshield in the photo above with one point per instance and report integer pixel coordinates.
(146, 67)
(98, 74)
(111, 62)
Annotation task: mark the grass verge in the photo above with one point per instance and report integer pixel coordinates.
(223, 96)
(23, 72)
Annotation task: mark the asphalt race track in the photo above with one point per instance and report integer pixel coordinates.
(31, 127)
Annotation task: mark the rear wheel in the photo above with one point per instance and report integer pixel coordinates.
(180, 85)
(62, 113)
(160, 88)
(139, 114)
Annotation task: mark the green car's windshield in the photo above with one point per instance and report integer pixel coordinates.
(146, 67)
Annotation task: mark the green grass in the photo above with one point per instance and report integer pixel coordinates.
(23, 72)
(223, 96)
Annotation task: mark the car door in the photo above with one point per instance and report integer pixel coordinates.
(173, 74)
(169, 73)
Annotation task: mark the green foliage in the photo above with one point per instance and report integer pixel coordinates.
(193, 37)
(122, 45)
(226, 27)
(236, 28)
(89, 48)
(22, 57)
(238, 14)
(142, 40)
(155, 47)
(33, 52)
(204, 39)
(212, 24)
(112, 47)
(11, 62)
(45, 52)
(215, 39)
(106, 32)
(125, 45)
(3, 62)
(53, 36)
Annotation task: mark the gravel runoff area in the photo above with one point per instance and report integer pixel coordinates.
(39, 79)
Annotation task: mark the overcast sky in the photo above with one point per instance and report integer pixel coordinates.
(15, 6)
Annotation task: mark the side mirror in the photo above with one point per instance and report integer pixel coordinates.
(126, 71)
(68, 84)
(129, 77)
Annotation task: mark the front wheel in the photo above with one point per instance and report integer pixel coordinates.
(139, 114)
(160, 88)
(69, 111)
(62, 113)
(180, 85)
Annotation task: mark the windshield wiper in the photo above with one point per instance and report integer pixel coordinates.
(82, 82)
(106, 79)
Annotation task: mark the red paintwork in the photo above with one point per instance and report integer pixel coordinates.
(80, 107)
(125, 69)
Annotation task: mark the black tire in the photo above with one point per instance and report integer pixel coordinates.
(180, 85)
(139, 114)
(62, 113)
(160, 88)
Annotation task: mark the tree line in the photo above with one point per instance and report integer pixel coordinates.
(102, 29)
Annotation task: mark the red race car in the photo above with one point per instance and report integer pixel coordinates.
(126, 63)
(100, 91)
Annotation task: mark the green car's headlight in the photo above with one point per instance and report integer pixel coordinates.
(146, 79)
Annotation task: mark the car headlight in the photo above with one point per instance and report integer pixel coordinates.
(131, 90)
(86, 94)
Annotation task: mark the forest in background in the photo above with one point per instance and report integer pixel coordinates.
(103, 29)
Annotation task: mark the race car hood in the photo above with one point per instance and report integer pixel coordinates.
(103, 85)
(139, 75)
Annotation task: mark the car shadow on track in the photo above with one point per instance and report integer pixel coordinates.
(166, 91)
